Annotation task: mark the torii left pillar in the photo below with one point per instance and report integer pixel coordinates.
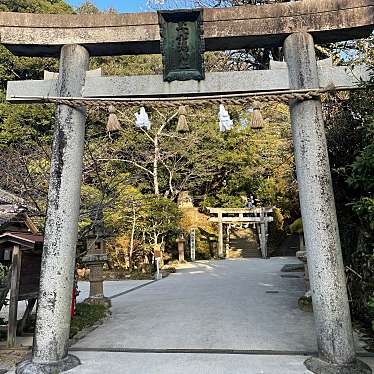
(50, 349)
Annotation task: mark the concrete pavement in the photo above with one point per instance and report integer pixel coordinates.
(190, 322)
(122, 363)
(112, 289)
(232, 304)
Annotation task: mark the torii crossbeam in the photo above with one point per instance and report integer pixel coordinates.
(327, 21)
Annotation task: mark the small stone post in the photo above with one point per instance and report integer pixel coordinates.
(181, 241)
(220, 235)
(227, 242)
(158, 274)
(50, 350)
(263, 235)
(326, 270)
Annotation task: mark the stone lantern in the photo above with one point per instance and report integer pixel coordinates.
(95, 258)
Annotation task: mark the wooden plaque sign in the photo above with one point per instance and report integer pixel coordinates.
(29, 275)
(182, 44)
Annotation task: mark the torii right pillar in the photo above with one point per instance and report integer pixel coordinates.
(330, 300)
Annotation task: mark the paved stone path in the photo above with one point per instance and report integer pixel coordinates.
(112, 289)
(243, 243)
(205, 310)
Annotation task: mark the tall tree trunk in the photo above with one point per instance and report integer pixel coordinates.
(132, 237)
(155, 166)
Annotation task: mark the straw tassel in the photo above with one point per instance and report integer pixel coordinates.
(182, 121)
(113, 123)
(257, 120)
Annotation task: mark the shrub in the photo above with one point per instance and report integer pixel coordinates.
(87, 315)
(371, 308)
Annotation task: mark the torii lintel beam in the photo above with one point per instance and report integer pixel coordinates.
(264, 210)
(224, 29)
(277, 79)
(241, 219)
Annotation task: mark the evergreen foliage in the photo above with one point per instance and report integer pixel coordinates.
(349, 121)
(217, 168)
(35, 6)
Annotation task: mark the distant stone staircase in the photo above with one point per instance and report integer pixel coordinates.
(243, 244)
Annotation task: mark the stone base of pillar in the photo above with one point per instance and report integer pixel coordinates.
(102, 300)
(318, 366)
(30, 367)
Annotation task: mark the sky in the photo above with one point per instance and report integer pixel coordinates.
(121, 6)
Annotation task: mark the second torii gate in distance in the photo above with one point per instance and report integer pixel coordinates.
(259, 216)
(74, 38)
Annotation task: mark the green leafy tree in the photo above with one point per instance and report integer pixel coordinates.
(349, 124)
(35, 6)
(88, 8)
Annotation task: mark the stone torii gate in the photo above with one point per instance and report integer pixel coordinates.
(259, 216)
(74, 38)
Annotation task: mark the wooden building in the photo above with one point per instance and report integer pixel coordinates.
(21, 249)
(14, 214)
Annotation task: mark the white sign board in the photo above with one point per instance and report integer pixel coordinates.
(193, 244)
